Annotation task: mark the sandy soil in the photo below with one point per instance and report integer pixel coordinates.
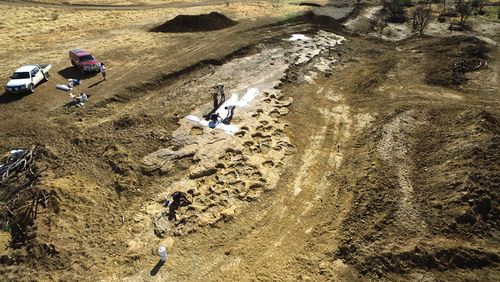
(349, 164)
(106, 2)
(120, 2)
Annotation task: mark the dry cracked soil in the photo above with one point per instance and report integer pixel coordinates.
(351, 156)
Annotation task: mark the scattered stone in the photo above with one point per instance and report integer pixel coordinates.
(162, 225)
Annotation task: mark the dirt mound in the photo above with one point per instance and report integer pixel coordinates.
(367, 82)
(194, 23)
(323, 22)
(467, 202)
(452, 57)
(438, 181)
(427, 258)
(309, 4)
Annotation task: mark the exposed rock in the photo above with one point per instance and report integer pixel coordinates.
(162, 225)
(202, 173)
(228, 170)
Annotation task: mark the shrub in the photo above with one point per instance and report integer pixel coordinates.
(406, 3)
(422, 16)
(397, 13)
(464, 10)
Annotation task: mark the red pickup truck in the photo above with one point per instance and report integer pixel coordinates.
(84, 61)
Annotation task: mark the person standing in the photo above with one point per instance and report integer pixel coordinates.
(102, 68)
(222, 94)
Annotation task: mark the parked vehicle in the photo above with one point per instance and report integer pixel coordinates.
(84, 61)
(27, 77)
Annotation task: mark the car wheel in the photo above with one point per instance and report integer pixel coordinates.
(46, 76)
(31, 88)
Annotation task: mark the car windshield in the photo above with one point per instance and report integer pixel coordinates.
(21, 75)
(86, 58)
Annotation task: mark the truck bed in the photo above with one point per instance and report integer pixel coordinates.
(45, 67)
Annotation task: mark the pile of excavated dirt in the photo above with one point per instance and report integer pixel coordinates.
(430, 174)
(309, 4)
(453, 57)
(194, 23)
(466, 203)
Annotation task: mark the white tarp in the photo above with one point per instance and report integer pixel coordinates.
(297, 37)
(63, 87)
(224, 111)
(248, 97)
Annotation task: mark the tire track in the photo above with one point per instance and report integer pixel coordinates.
(394, 148)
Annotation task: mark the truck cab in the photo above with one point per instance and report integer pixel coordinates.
(27, 77)
(84, 61)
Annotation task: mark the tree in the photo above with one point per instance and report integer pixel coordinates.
(478, 6)
(464, 9)
(396, 9)
(421, 17)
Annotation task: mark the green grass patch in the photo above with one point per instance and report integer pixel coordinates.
(492, 13)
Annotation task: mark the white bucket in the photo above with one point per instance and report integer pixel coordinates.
(162, 251)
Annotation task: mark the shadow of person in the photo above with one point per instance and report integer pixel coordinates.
(156, 268)
(214, 109)
(230, 114)
(96, 83)
(70, 104)
(217, 104)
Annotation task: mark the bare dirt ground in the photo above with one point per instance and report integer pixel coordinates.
(359, 158)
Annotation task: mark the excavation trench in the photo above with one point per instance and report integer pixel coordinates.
(233, 169)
